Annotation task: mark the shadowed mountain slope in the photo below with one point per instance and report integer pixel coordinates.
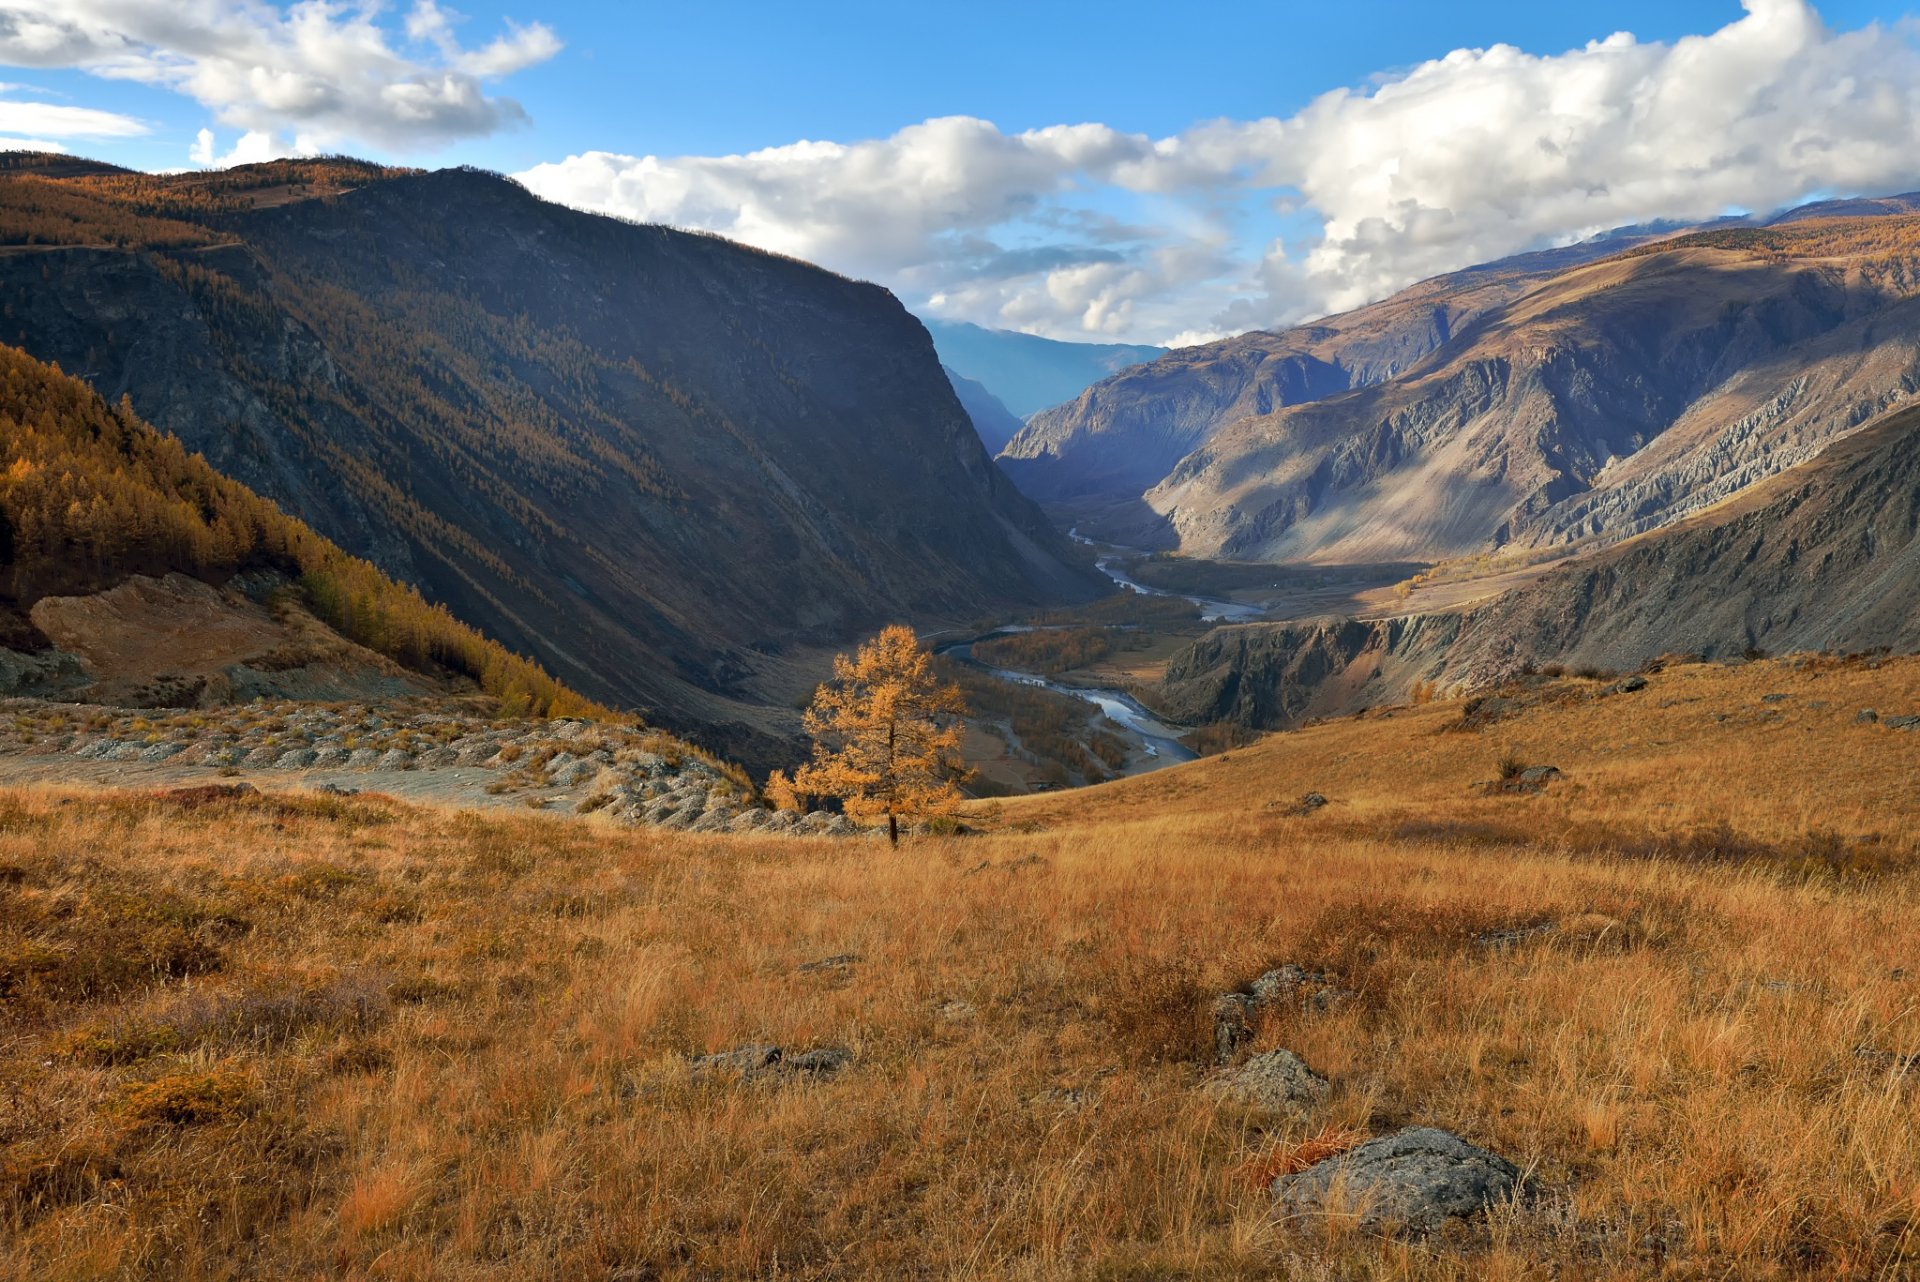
(665, 464)
(113, 541)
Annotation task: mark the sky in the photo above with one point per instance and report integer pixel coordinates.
(1099, 172)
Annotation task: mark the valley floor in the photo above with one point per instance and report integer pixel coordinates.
(293, 1035)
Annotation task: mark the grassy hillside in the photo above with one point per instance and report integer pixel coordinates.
(273, 1037)
(90, 495)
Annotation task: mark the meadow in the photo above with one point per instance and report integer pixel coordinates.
(301, 1036)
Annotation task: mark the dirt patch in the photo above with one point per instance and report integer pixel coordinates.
(177, 641)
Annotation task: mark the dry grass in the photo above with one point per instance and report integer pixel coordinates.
(271, 1038)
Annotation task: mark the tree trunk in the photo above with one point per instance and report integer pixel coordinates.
(893, 828)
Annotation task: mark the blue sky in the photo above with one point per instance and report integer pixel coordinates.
(1144, 172)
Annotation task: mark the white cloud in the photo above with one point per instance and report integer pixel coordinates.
(57, 121)
(31, 144)
(316, 75)
(1469, 157)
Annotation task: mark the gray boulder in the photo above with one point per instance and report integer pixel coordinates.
(1277, 1079)
(1415, 1180)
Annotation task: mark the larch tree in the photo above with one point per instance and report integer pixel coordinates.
(886, 736)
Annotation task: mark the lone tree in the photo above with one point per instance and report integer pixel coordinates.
(886, 736)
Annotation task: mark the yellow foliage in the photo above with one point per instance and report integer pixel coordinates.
(886, 735)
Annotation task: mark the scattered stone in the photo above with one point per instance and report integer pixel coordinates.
(297, 759)
(1513, 936)
(1275, 1079)
(160, 751)
(395, 759)
(1773, 698)
(1306, 805)
(362, 759)
(760, 1061)
(1234, 1013)
(1415, 1179)
(1865, 717)
(335, 790)
(1625, 685)
(837, 962)
(1527, 783)
(1900, 723)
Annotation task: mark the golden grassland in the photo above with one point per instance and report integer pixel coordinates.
(306, 1037)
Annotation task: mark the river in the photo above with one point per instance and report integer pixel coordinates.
(1211, 611)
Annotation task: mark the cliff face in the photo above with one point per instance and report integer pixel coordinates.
(1824, 557)
(660, 462)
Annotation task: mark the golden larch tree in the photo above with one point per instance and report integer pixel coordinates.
(886, 736)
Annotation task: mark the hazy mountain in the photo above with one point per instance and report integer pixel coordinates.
(993, 421)
(664, 464)
(1823, 557)
(1026, 372)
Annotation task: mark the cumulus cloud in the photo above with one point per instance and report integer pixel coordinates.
(316, 75)
(1482, 153)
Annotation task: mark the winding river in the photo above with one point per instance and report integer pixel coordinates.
(1211, 611)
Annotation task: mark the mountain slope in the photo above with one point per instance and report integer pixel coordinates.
(1029, 373)
(1122, 436)
(1604, 401)
(107, 528)
(1823, 557)
(1530, 400)
(668, 466)
(993, 421)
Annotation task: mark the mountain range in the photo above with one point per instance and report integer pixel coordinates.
(674, 470)
(1538, 403)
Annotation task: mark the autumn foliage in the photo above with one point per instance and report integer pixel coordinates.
(91, 495)
(886, 736)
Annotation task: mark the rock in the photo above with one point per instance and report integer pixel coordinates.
(335, 790)
(824, 1061)
(362, 759)
(1232, 1025)
(1415, 1179)
(297, 759)
(394, 759)
(1626, 685)
(1275, 1079)
(160, 751)
(742, 1061)
(1527, 783)
(1773, 698)
(750, 820)
(1306, 805)
(715, 820)
(438, 758)
(1865, 717)
(759, 1061)
(781, 821)
(326, 758)
(1513, 936)
(1900, 723)
(839, 961)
